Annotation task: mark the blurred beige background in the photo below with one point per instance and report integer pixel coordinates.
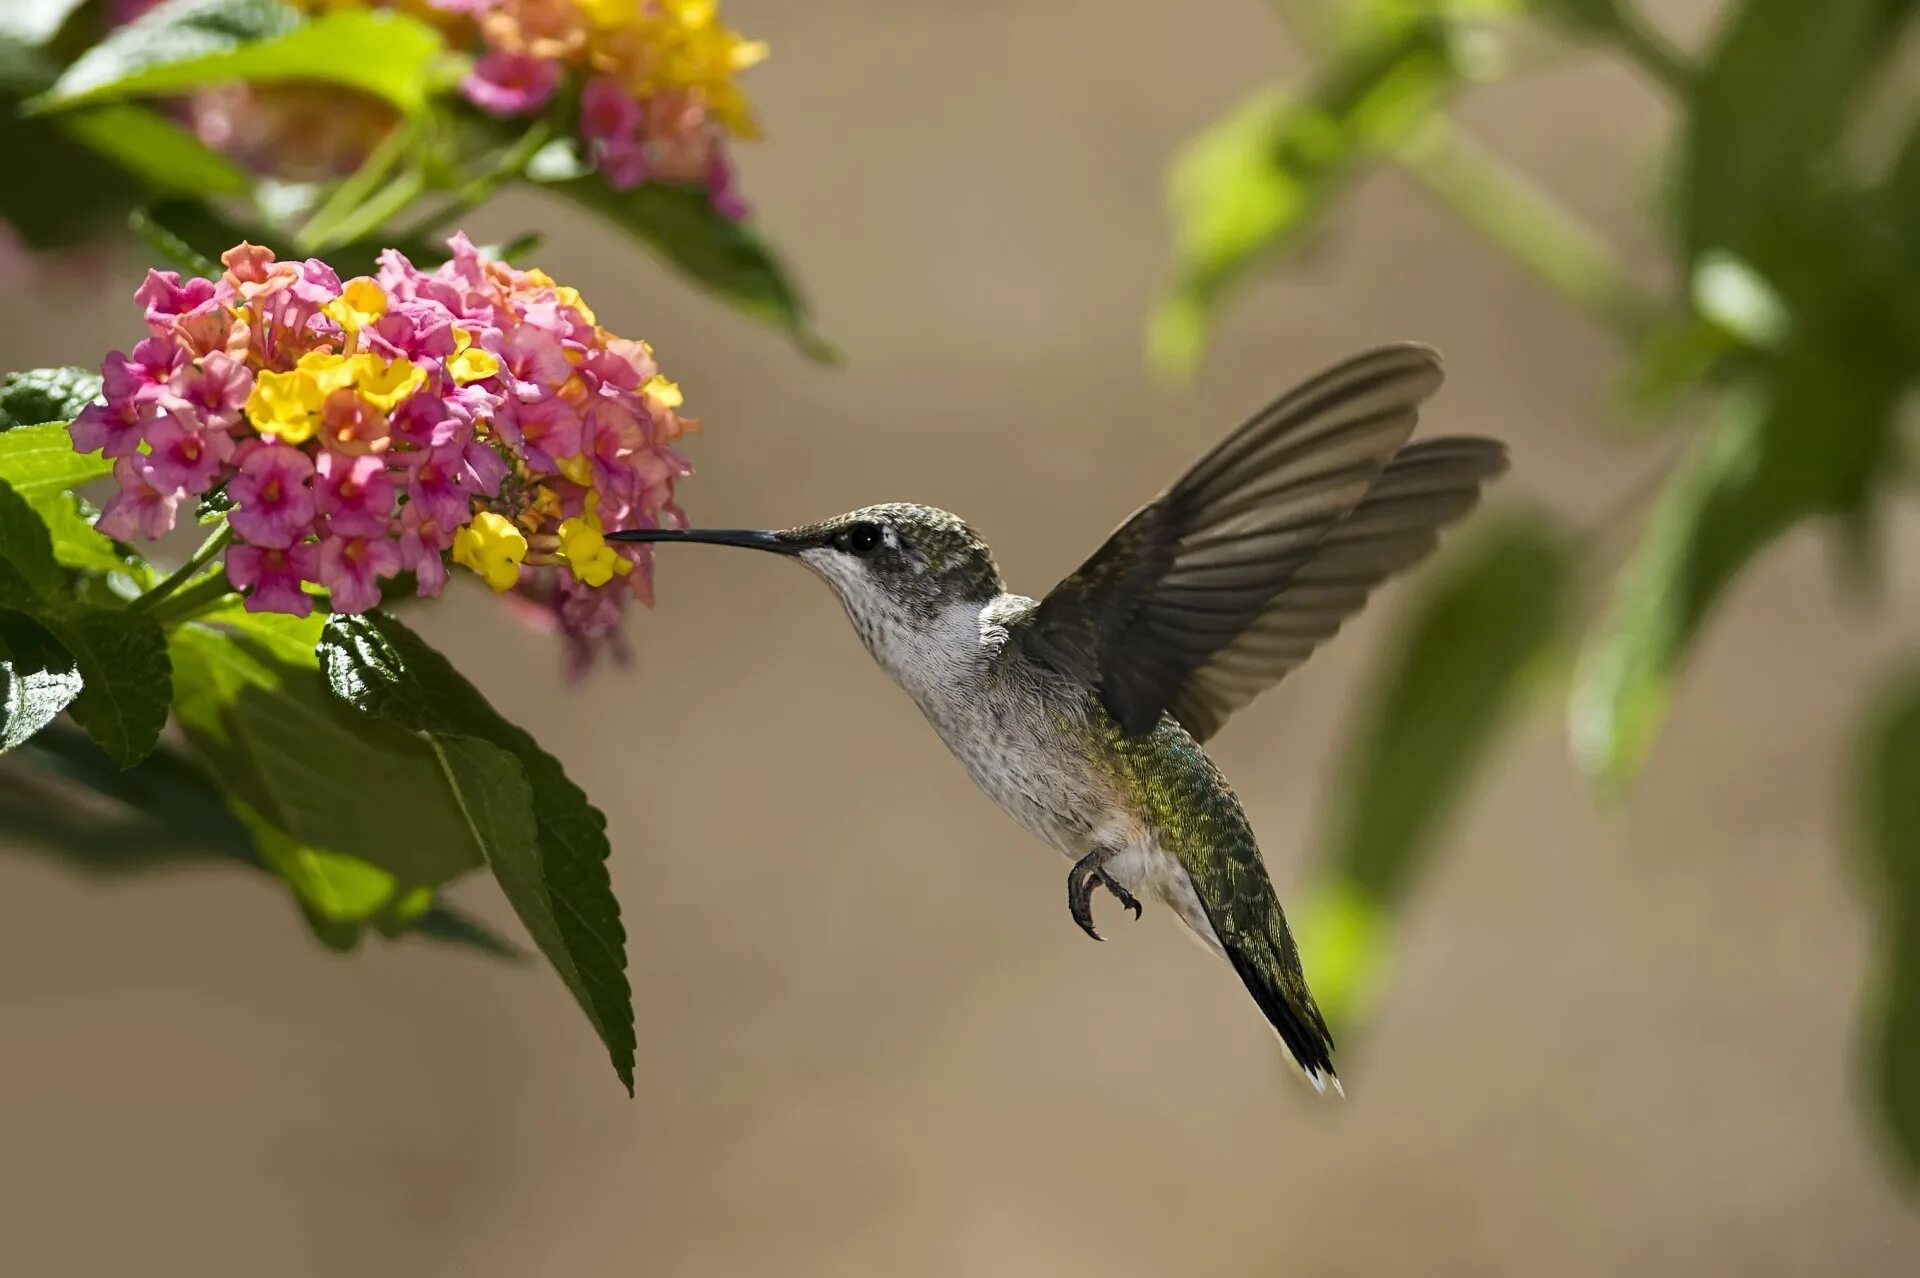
(870, 1039)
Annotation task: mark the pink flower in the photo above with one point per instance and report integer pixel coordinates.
(351, 569)
(722, 192)
(214, 390)
(423, 543)
(623, 163)
(272, 495)
(166, 299)
(437, 488)
(112, 430)
(608, 112)
(272, 576)
(185, 456)
(511, 83)
(349, 424)
(417, 331)
(147, 376)
(143, 505)
(354, 494)
(536, 362)
(541, 428)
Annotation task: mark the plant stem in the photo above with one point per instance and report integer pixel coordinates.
(322, 230)
(200, 597)
(511, 164)
(382, 208)
(1526, 223)
(212, 546)
(1647, 49)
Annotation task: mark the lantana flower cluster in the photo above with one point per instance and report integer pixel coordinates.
(657, 92)
(389, 423)
(655, 80)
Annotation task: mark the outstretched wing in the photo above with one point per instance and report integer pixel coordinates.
(1215, 590)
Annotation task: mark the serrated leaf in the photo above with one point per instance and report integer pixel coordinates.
(25, 545)
(167, 160)
(1246, 189)
(1887, 836)
(46, 395)
(546, 844)
(189, 44)
(123, 658)
(38, 460)
(162, 813)
(728, 259)
(248, 694)
(1489, 618)
(38, 678)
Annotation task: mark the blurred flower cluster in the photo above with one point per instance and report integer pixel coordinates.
(651, 84)
(655, 79)
(390, 423)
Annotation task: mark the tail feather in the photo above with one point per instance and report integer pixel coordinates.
(1269, 966)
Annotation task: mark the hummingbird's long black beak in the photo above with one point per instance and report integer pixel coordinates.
(752, 538)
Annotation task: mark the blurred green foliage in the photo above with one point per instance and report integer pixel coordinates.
(1793, 316)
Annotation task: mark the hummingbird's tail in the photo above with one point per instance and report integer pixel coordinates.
(1268, 962)
(1230, 884)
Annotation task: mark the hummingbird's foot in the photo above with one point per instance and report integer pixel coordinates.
(1089, 870)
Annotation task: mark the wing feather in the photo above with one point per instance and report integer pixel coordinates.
(1228, 580)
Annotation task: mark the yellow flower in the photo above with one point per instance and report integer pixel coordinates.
(585, 548)
(577, 468)
(492, 547)
(473, 365)
(286, 405)
(609, 15)
(663, 392)
(571, 297)
(361, 302)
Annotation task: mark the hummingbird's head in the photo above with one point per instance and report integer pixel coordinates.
(899, 570)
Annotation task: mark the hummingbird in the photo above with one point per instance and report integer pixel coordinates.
(1084, 714)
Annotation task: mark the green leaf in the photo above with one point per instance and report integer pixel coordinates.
(163, 813)
(38, 679)
(1898, 201)
(77, 544)
(189, 44)
(1768, 111)
(25, 545)
(123, 657)
(546, 844)
(1806, 442)
(38, 460)
(166, 158)
(1887, 835)
(248, 694)
(39, 465)
(1247, 189)
(727, 258)
(1486, 623)
(46, 395)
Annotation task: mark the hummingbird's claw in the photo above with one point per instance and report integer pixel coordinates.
(1086, 872)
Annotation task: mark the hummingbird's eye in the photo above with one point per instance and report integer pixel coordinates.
(863, 538)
